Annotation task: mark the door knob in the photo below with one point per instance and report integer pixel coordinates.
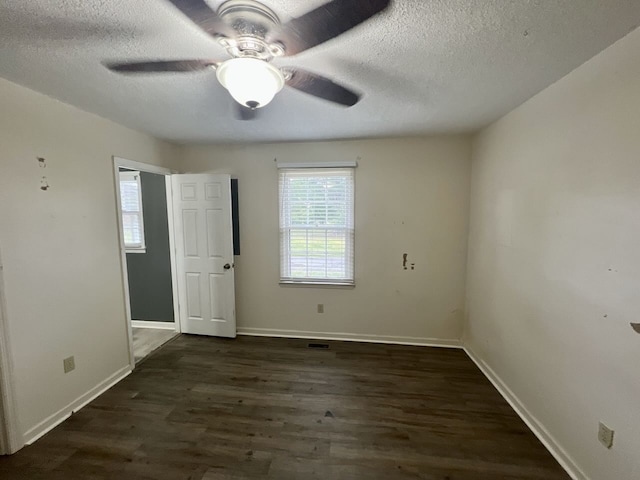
(226, 266)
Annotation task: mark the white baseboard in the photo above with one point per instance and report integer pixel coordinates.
(61, 415)
(550, 443)
(153, 324)
(350, 337)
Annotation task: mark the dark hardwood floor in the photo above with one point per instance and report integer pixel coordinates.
(209, 409)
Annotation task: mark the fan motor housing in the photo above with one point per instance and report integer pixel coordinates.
(251, 21)
(248, 17)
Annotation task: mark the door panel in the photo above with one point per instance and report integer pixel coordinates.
(216, 286)
(193, 296)
(190, 232)
(215, 237)
(204, 245)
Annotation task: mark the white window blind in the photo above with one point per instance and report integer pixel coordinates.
(317, 225)
(132, 220)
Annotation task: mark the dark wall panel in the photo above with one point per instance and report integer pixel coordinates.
(150, 272)
(235, 216)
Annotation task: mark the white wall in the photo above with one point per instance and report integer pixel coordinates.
(554, 258)
(412, 196)
(62, 275)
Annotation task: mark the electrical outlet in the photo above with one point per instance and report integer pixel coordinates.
(605, 435)
(321, 308)
(69, 364)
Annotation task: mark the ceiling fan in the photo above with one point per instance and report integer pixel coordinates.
(253, 36)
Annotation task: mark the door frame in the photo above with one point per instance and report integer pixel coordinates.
(10, 438)
(119, 162)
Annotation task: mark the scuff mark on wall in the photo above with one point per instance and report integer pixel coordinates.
(44, 184)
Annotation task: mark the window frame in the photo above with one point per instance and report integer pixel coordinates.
(349, 229)
(132, 175)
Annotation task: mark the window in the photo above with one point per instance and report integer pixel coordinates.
(316, 225)
(132, 221)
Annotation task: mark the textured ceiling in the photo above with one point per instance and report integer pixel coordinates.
(424, 66)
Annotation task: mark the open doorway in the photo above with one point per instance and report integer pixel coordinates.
(148, 263)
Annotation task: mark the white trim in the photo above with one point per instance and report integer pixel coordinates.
(142, 167)
(10, 438)
(347, 164)
(136, 250)
(117, 163)
(61, 415)
(350, 337)
(297, 283)
(538, 429)
(172, 253)
(154, 325)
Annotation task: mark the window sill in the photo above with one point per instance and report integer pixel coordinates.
(135, 250)
(318, 284)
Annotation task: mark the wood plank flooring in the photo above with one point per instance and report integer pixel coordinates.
(259, 408)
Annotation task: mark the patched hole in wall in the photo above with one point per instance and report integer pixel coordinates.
(44, 184)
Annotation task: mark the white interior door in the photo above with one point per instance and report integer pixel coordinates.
(204, 254)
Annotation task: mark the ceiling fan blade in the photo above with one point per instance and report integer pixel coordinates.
(161, 66)
(203, 16)
(321, 87)
(324, 23)
(245, 113)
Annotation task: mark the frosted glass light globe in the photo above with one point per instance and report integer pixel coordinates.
(251, 82)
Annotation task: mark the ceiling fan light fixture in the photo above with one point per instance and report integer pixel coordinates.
(250, 81)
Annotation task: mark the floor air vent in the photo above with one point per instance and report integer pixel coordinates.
(320, 346)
